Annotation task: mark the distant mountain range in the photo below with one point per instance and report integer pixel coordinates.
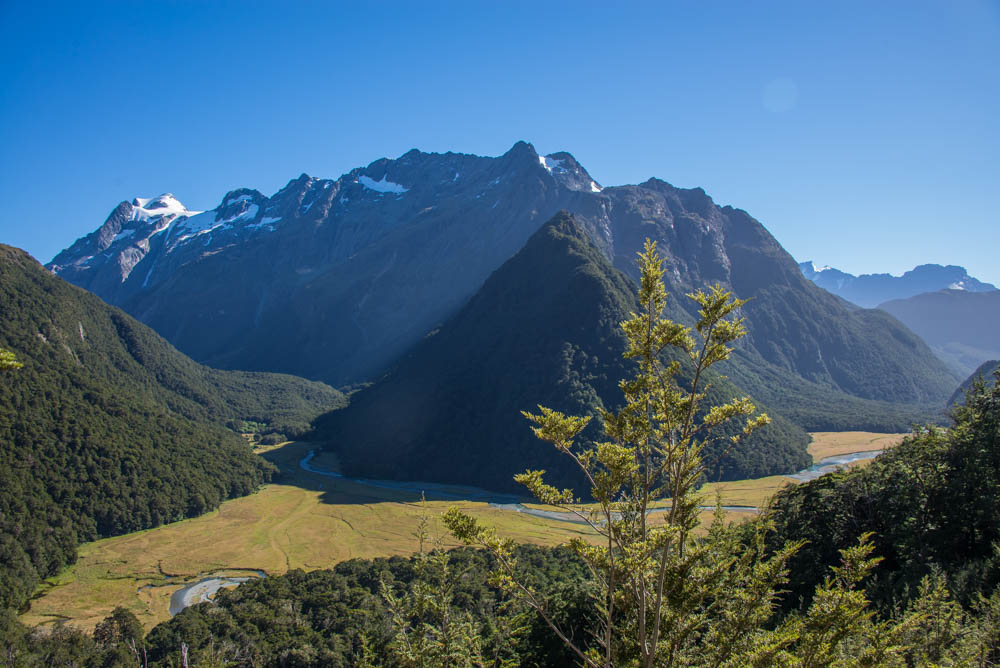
(330, 280)
(333, 280)
(962, 328)
(870, 290)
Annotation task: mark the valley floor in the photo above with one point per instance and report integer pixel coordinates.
(309, 521)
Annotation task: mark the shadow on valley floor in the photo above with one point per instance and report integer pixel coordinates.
(305, 465)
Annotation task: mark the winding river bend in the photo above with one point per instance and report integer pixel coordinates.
(831, 464)
(206, 588)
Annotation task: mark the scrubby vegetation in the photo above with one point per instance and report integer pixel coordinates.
(932, 503)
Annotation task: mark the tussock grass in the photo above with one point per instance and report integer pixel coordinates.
(305, 521)
(831, 443)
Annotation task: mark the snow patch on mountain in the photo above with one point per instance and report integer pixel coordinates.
(266, 221)
(249, 214)
(203, 222)
(551, 164)
(382, 186)
(165, 206)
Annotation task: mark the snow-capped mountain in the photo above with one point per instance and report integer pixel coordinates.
(125, 236)
(353, 239)
(870, 290)
(335, 279)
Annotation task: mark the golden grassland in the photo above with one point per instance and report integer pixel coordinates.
(305, 521)
(832, 443)
(310, 521)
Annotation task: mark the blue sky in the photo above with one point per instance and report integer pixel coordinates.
(863, 135)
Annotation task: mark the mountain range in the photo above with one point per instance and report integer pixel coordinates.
(333, 280)
(349, 281)
(329, 280)
(870, 290)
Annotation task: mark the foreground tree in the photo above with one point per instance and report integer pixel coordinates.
(668, 597)
(429, 631)
(8, 360)
(660, 590)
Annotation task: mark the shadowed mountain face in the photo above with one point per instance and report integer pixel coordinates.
(793, 326)
(961, 327)
(334, 280)
(544, 329)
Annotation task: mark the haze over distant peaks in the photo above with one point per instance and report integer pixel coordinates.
(960, 326)
(870, 290)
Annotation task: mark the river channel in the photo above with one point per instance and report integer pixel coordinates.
(512, 503)
(206, 588)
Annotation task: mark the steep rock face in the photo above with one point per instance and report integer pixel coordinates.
(544, 329)
(870, 290)
(961, 327)
(793, 326)
(334, 280)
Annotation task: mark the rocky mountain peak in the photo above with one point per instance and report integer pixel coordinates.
(568, 172)
(522, 149)
(240, 206)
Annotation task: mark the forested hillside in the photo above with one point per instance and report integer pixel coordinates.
(106, 428)
(933, 503)
(959, 326)
(982, 374)
(331, 618)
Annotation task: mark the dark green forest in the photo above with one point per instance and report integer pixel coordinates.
(933, 504)
(108, 429)
(324, 617)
